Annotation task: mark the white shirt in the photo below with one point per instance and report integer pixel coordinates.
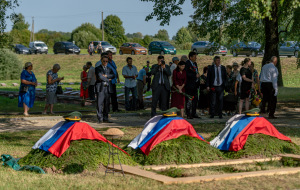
(269, 73)
(172, 68)
(218, 69)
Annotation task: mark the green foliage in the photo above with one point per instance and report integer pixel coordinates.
(84, 154)
(147, 40)
(20, 36)
(19, 23)
(264, 145)
(135, 35)
(183, 36)
(10, 65)
(82, 38)
(162, 35)
(114, 30)
(173, 172)
(183, 150)
(88, 31)
(50, 37)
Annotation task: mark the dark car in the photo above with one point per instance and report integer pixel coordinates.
(289, 49)
(65, 47)
(161, 47)
(251, 48)
(21, 49)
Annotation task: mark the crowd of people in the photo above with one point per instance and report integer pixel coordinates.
(178, 84)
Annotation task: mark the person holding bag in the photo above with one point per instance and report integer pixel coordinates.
(51, 88)
(27, 88)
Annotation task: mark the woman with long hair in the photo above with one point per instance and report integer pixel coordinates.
(247, 83)
(179, 81)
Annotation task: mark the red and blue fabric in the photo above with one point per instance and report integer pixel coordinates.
(234, 136)
(57, 140)
(159, 129)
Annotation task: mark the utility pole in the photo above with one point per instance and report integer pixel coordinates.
(102, 27)
(32, 31)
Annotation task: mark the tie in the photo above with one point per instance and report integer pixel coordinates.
(218, 76)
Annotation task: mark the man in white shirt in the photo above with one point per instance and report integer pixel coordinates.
(269, 88)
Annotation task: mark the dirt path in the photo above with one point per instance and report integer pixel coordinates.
(288, 116)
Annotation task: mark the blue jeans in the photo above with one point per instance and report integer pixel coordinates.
(131, 106)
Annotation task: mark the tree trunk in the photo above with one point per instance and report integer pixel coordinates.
(272, 39)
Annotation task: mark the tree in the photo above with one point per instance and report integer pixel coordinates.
(87, 27)
(183, 36)
(236, 19)
(162, 35)
(4, 6)
(20, 36)
(82, 38)
(135, 35)
(114, 30)
(147, 40)
(19, 22)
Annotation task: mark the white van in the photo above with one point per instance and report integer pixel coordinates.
(38, 47)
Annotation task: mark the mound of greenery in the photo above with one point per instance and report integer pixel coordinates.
(84, 154)
(10, 65)
(183, 150)
(264, 145)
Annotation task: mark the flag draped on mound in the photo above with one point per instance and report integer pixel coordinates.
(159, 129)
(57, 139)
(234, 136)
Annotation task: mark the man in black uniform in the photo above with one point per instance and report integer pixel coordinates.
(104, 88)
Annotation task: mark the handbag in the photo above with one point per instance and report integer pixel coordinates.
(24, 88)
(59, 90)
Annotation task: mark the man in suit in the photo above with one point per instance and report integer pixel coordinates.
(104, 88)
(192, 85)
(216, 79)
(160, 84)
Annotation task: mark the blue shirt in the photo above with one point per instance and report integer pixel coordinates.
(129, 82)
(98, 64)
(141, 74)
(111, 64)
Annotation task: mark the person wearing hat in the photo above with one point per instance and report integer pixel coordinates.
(27, 88)
(148, 75)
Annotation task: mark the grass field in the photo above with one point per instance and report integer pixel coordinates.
(18, 144)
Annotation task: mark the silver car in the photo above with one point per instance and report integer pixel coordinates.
(105, 46)
(204, 47)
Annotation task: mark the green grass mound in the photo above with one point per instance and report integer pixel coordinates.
(81, 155)
(264, 145)
(183, 150)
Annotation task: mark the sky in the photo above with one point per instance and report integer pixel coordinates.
(66, 15)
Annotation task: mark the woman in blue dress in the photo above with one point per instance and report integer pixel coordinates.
(27, 88)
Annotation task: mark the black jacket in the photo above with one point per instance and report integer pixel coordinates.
(211, 76)
(101, 80)
(155, 71)
(191, 76)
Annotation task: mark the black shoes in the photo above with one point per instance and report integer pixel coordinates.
(116, 110)
(107, 121)
(196, 116)
(211, 116)
(272, 117)
(220, 117)
(190, 117)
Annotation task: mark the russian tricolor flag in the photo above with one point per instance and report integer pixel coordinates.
(159, 129)
(57, 140)
(234, 136)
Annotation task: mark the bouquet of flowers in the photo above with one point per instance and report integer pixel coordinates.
(186, 95)
(256, 99)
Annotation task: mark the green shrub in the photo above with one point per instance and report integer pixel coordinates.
(183, 150)
(10, 65)
(84, 154)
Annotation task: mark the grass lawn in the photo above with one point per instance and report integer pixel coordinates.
(18, 144)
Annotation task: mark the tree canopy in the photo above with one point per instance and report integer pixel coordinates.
(162, 35)
(19, 22)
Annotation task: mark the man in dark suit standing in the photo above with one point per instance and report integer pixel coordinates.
(104, 88)
(216, 79)
(160, 84)
(192, 85)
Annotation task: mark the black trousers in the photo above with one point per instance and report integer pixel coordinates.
(91, 91)
(148, 81)
(268, 97)
(216, 100)
(191, 105)
(159, 93)
(114, 98)
(103, 104)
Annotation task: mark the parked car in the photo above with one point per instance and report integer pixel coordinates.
(132, 48)
(289, 49)
(222, 50)
(161, 47)
(21, 49)
(204, 47)
(38, 47)
(105, 47)
(251, 48)
(65, 47)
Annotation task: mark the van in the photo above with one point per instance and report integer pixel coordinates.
(38, 47)
(161, 47)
